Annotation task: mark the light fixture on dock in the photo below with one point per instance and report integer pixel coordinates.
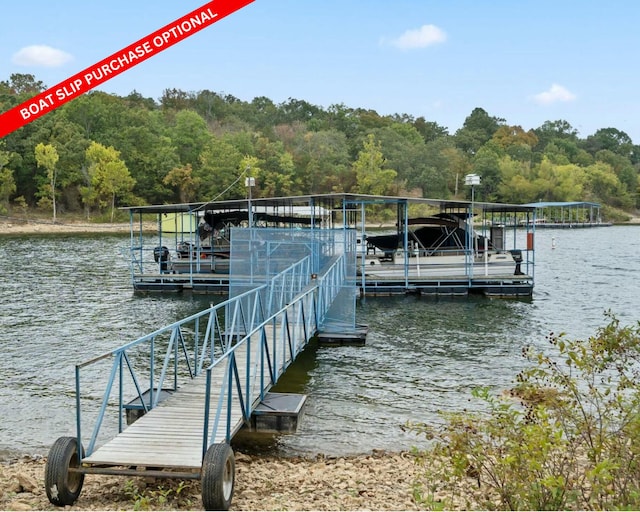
(249, 182)
(472, 180)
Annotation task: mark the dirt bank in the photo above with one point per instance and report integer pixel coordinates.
(380, 481)
(9, 226)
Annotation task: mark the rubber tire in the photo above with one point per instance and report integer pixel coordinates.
(63, 487)
(218, 477)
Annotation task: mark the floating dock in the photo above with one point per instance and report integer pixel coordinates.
(453, 248)
(567, 215)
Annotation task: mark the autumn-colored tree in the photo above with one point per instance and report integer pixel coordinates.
(182, 178)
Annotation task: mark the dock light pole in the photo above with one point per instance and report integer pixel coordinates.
(250, 182)
(471, 180)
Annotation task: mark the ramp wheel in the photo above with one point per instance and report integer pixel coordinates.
(218, 477)
(63, 486)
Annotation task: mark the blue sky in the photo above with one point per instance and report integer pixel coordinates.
(524, 61)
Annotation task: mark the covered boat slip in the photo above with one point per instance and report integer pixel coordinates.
(423, 246)
(568, 215)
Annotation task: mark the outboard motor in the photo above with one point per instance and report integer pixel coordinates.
(516, 254)
(161, 255)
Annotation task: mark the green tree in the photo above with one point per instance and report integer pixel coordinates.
(477, 130)
(109, 177)
(605, 186)
(100, 115)
(7, 182)
(612, 139)
(486, 163)
(430, 130)
(149, 153)
(516, 183)
(23, 86)
(321, 160)
(623, 168)
(559, 182)
(566, 151)
(275, 164)
(190, 136)
(47, 157)
(176, 99)
(211, 106)
(220, 175)
(70, 143)
(371, 175)
(434, 168)
(551, 131)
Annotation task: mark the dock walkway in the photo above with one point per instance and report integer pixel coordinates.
(171, 434)
(206, 374)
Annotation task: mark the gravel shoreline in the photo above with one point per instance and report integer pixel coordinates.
(378, 481)
(10, 226)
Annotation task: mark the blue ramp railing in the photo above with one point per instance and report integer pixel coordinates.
(248, 341)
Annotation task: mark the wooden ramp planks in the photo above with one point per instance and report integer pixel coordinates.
(168, 436)
(171, 434)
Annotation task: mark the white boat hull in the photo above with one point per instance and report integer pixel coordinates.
(459, 265)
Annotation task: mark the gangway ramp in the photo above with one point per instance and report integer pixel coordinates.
(215, 366)
(171, 434)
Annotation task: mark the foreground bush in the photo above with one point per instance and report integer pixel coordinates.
(567, 436)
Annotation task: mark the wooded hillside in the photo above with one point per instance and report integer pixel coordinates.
(101, 151)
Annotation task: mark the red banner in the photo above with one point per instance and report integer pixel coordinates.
(115, 64)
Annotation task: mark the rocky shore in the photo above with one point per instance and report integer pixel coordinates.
(378, 481)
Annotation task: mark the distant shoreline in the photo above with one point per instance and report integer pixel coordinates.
(14, 226)
(10, 226)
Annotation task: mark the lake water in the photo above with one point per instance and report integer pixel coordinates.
(67, 298)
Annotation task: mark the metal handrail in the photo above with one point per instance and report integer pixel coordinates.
(279, 338)
(191, 343)
(276, 330)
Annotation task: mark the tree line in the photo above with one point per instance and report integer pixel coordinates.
(101, 151)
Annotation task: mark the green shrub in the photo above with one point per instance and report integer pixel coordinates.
(567, 436)
(170, 495)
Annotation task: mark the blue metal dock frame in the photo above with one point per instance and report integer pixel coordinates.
(349, 211)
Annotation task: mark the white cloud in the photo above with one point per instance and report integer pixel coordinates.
(426, 35)
(555, 94)
(41, 55)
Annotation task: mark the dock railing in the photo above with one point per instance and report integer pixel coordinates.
(144, 369)
(268, 350)
(265, 328)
